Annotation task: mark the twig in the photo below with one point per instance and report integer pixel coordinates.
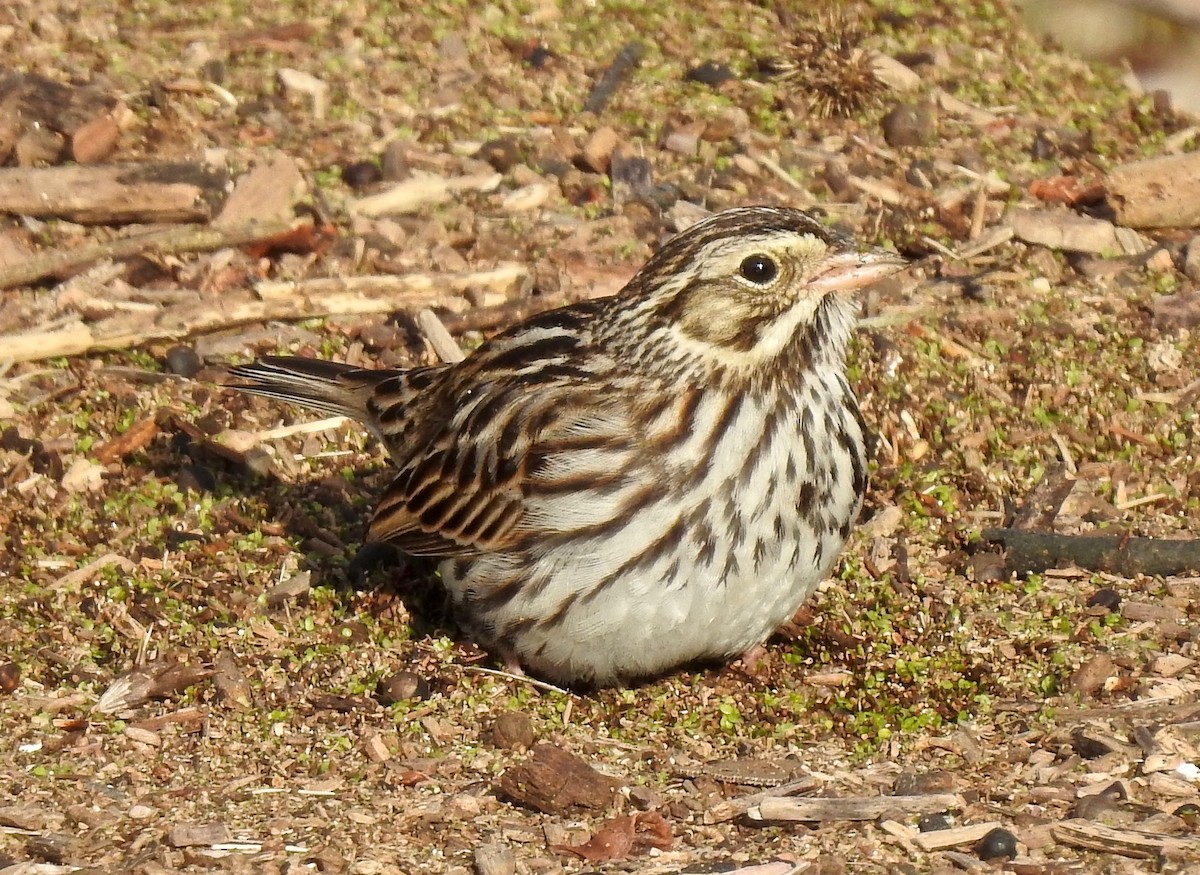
(610, 80)
(773, 808)
(439, 338)
(728, 809)
(188, 238)
(293, 300)
(520, 678)
(1128, 557)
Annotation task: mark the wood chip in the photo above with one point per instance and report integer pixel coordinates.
(267, 193)
(1126, 842)
(773, 808)
(553, 780)
(729, 809)
(112, 194)
(939, 839)
(421, 191)
(186, 835)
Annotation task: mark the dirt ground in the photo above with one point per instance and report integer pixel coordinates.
(199, 668)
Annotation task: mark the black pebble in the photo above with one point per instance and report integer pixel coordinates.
(361, 174)
(997, 844)
(182, 360)
(1106, 597)
(933, 822)
(710, 73)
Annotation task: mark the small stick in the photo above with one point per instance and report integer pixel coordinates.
(732, 808)
(439, 338)
(610, 80)
(773, 808)
(520, 678)
(188, 238)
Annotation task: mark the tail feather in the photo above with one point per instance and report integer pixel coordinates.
(331, 387)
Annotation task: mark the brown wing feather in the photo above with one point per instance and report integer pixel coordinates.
(456, 496)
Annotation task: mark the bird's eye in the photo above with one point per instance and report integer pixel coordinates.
(759, 269)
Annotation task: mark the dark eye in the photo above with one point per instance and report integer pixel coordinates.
(759, 269)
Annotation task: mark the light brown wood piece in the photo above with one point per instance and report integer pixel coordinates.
(736, 807)
(301, 300)
(1093, 836)
(189, 238)
(850, 807)
(112, 194)
(936, 840)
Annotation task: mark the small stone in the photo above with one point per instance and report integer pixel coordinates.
(361, 174)
(999, 843)
(513, 730)
(400, 687)
(1171, 665)
(1093, 674)
(10, 677)
(913, 784)
(597, 151)
(682, 139)
(710, 73)
(1106, 599)
(495, 859)
(932, 822)
(502, 154)
(645, 799)
(142, 812)
(732, 121)
(908, 124)
(394, 163)
(352, 632)
(184, 361)
(1191, 260)
(185, 835)
(95, 140)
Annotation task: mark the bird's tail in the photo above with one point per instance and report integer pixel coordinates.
(331, 387)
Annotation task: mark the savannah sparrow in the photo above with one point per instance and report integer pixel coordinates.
(621, 486)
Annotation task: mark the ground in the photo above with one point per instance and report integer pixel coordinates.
(273, 698)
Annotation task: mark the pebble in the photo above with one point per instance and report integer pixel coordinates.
(361, 174)
(10, 677)
(513, 730)
(502, 154)
(184, 361)
(933, 822)
(401, 686)
(1105, 598)
(997, 844)
(1191, 260)
(908, 124)
(1091, 676)
(709, 73)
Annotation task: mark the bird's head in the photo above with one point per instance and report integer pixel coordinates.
(743, 286)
